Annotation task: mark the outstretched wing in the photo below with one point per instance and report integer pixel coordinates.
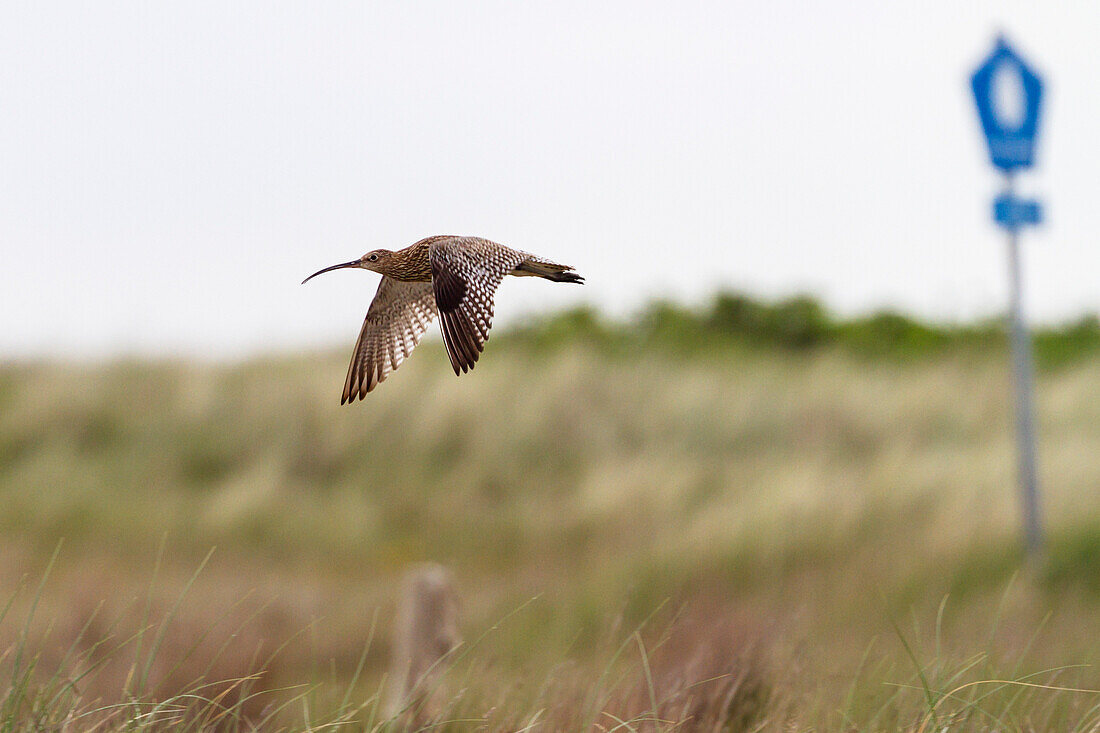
(398, 316)
(465, 274)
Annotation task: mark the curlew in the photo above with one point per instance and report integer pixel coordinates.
(454, 277)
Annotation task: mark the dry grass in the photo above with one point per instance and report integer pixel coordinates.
(805, 517)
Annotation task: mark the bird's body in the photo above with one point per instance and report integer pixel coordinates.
(453, 277)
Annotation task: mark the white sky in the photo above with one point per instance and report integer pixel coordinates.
(169, 172)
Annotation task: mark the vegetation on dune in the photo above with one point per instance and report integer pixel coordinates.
(749, 515)
(801, 323)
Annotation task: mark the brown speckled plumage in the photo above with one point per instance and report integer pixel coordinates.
(455, 277)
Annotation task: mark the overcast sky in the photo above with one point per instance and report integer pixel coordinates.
(169, 172)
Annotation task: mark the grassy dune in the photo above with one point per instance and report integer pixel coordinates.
(830, 540)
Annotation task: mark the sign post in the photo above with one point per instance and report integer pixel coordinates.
(1008, 94)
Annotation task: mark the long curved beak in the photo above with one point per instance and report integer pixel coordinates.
(353, 263)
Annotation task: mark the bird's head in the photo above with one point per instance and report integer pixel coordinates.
(376, 260)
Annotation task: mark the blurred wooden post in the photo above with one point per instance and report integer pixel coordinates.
(425, 631)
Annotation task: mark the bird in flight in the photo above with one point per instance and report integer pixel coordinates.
(454, 277)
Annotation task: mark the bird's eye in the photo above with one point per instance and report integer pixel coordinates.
(373, 258)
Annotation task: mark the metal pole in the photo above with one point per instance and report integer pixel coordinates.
(1023, 375)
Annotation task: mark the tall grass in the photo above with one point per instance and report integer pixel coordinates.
(799, 514)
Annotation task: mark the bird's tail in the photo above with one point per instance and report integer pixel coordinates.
(549, 270)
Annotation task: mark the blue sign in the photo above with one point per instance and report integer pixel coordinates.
(1008, 94)
(1012, 213)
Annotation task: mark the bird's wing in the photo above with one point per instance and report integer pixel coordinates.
(465, 274)
(398, 316)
